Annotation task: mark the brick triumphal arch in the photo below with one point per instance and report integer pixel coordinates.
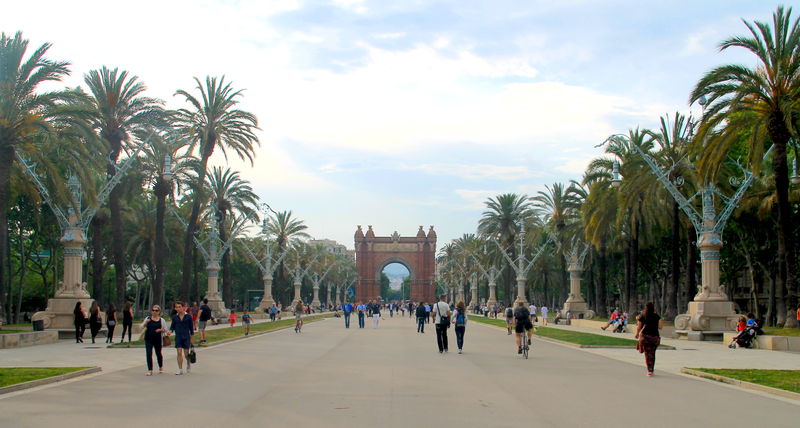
(418, 254)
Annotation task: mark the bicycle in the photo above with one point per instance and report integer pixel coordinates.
(298, 325)
(524, 343)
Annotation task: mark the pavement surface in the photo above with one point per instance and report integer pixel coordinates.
(392, 377)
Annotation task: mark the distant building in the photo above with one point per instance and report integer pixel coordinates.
(332, 246)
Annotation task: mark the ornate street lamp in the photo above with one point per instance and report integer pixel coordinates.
(73, 222)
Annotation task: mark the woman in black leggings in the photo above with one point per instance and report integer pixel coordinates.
(127, 322)
(154, 329)
(80, 322)
(111, 322)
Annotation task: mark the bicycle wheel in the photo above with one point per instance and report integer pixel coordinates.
(525, 347)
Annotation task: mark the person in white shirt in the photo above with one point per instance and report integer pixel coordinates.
(544, 315)
(532, 310)
(441, 309)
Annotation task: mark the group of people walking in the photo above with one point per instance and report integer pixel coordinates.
(95, 318)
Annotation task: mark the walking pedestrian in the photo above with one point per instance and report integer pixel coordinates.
(361, 308)
(509, 319)
(544, 311)
(155, 329)
(80, 321)
(460, 316)
(202, 320)
(421, 315)
(273, 312)
(427, 313)
(127, 322)
(376, 315)
(246, 318)
(441, 312)
(95, 320)
(347, 309)
(647, 327)
(232, 318)
(194, 311)
(183, 327)
(111, 322)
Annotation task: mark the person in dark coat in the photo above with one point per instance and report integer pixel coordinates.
(80, 322)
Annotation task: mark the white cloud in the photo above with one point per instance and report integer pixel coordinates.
(475, 171)
(356, 6)
(575, 166)
(476, 199)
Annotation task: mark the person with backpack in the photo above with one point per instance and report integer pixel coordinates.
(421, 316)
(522, 324)
(460, 316)
(203, 318)
(441, 313)
(509, 312)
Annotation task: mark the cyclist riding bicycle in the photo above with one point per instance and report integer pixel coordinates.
(522, 324)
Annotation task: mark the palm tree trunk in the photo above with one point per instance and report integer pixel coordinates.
(98, 223)
(6, 162)
(674, 284)
(227, 283)
(544, 285)
(632, 290)
(161, 190)
(625, 294)
(780, 136)
(601, 288)
(117, 240)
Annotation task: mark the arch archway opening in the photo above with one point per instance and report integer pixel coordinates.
(395, 282)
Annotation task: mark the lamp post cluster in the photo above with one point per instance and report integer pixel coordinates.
(523, 264)
(266, 265)
(73, 221)
(710, 312)
(213, 249)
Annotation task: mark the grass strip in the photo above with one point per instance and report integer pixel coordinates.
(14, 375)
(227, 333)
(776, 331)
(788, 380)
(4, 331)
(576, 337)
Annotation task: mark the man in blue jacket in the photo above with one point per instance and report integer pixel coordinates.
(361, 308)
(347, 308)
(183, 327)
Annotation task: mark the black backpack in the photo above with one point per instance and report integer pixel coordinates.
(444, 320)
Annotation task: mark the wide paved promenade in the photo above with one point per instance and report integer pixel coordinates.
(392, 377)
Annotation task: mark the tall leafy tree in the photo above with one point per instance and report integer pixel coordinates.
(760, 101)
(502, 220)
(122, 113)
(28, 115)
(559, 206)
(672, 140)
(285, 228)
(212, 121)
(230, 194)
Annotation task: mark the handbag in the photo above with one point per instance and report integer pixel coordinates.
(444, 320)
(112, 323)
(192, 355)
(167, 341)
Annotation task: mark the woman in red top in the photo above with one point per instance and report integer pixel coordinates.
(742, 324)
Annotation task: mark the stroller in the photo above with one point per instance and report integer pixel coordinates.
(620, 325)
(745, 338)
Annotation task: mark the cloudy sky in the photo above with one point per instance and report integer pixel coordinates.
(408, 113)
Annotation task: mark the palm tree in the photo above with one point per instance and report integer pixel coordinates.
(230, 194)
(164, 145)
(284, 229)
(760, 102)
(672, 139)
(121, 113)
(559, 207)
(212, 122)
(27, 114)
(502, 220)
